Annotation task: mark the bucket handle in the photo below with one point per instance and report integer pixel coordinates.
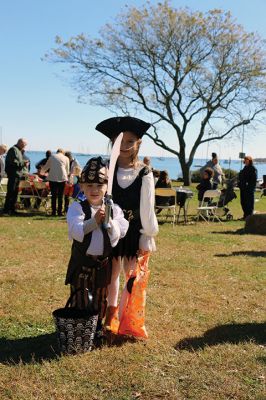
(90, 299)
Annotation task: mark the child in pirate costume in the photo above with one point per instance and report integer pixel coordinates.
(133, 191)
(89, 268)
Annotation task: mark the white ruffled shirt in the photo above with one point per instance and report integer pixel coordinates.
(125, 177)
(75, 221)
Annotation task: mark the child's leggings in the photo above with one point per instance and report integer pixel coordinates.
(113, 288)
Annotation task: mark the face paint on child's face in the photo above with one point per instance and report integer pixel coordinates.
(94, 192)
(129, 145)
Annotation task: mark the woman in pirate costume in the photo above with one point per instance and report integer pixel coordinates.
(133, 191)
(89, 269)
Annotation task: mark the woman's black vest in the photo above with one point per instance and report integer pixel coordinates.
(78, 257)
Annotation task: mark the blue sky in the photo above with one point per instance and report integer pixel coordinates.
(36, 102)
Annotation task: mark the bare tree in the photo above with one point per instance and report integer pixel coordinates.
(201, 75)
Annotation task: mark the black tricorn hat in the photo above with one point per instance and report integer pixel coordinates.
(95, 171)
(111, 127)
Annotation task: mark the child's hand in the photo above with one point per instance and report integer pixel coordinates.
(99, 216)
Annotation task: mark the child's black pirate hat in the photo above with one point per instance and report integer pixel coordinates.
(95, 171)
(111, 127)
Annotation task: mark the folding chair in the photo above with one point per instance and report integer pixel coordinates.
(42, 195)
(26, 192)
(208, 207)
(3, 190)
(171, 209)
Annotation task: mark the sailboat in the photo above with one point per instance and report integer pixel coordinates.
(161, 158)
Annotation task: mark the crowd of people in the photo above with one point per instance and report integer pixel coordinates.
(212, 177)
(59, 170)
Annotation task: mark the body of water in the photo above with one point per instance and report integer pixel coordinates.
(170, 164)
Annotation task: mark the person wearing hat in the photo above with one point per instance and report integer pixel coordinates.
(247, 179)
(133, 191)
(89, 267)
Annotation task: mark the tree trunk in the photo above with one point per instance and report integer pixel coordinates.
(186, 175)
(185, 167)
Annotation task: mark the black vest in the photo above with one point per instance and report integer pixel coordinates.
(78, 257)
(129, 198)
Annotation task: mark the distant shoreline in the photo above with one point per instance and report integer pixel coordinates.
(260, 160)
(224, 160)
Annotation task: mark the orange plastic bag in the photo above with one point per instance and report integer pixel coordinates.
(132, 321)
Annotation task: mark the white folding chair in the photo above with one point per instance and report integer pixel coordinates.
(209, 205)
(171, 209)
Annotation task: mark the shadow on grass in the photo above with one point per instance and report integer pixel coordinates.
(110, 339)
(29, 350)
(240, 231)
(229, 333)
(35, 350)
(35, 215)
(20, 214)
(49, 218)
(249, 253)
(161, 222)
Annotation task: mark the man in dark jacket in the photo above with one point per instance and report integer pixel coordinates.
(14, 166)
(247, 183)
(44, 160)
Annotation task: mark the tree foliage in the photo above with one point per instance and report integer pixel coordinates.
(199, 74)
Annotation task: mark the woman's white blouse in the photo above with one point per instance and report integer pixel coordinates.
(125, 177)
(75, 221)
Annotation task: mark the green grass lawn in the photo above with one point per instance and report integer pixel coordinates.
(205, 317)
